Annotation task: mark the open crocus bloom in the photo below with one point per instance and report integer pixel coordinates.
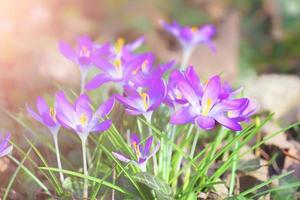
(80, 116)
(207, 108)
(5, 147)
(141, 152)
(143, 100)
(189, 37)
(119, 65)
(46, 115)
(82, 54)
(174, 95)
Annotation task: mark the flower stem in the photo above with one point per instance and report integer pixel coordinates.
(234, 167)
(82, 81)
(85, 171)
(58, 157)
(187, 52)
(192, 152)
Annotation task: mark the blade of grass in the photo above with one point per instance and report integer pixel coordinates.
(56, 185)
(14, 176)
(90, 178)
(255, 188)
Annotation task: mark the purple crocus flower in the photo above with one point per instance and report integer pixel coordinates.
(143, 100)
(122, 69)
(46, 115)
(208, 109)
(80, 116)
(83, 54)
(5, 147)
(189, 37)
(174, 96)
(142, 153)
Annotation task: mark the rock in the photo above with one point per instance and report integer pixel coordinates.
(277, 93)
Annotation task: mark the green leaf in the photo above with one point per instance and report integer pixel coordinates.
(162, 189)
(249, 165)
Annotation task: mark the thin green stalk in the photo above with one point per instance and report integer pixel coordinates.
(82, 81)
(85, 170)
(234, 167)
(192, 152)
(14, 176)
(58, 157)
(187, 52)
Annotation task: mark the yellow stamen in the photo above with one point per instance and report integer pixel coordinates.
(134, 72)
(85, 52)
(117, 63)
(145, 99)
(136, 148)
(119, 44)
(83, 119)
(206, 108)
(144, 65)
(178, 95)
(52, 113)
(194, 29)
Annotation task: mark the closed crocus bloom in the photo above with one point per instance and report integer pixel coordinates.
(142, 153)
(5, 147)
(80, 116)
(211, 107)
(46, 115)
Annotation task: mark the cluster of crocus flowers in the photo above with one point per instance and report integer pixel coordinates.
(5, 147)
(142, 153)
(144, 91)
(210, 103)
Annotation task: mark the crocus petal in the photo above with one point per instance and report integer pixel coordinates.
(42, 106)
(183, 115)
(154, 151)
(211, 92)
(121, 157)
(97, 81)
(6, 151)
(205, 122)
(134, 139)
(148, 145)
(133, 112)
(105, 108)
(127, 101)
(83, 106)
(188, 93)
(33, 114)
(103, 126)
(65, 107)
(193, 79)
(102, 63)
(67, 51)
(84, 61)
(65, 122)
(228, 123)
(48, 120)
(135, 44)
